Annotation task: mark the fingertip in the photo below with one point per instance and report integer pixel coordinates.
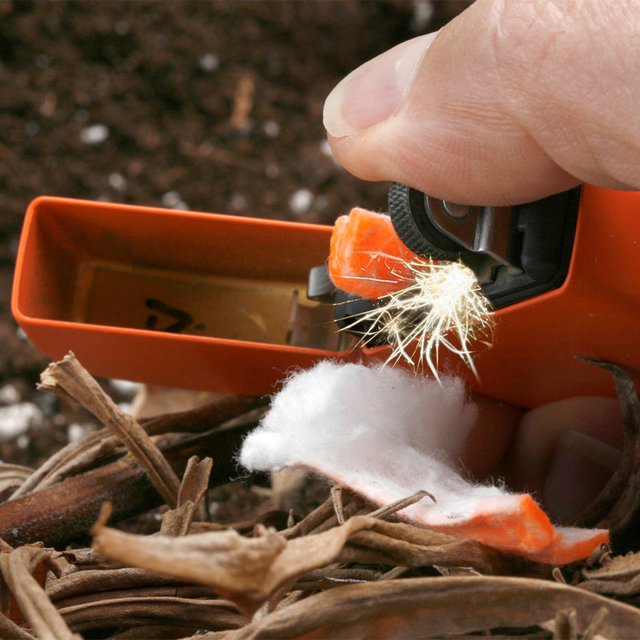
(564, 452)
(579, 469)
(374, 91)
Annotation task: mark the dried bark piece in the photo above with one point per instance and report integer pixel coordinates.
(249, 570)
(33, 605)
(435, 608)
(68, 377)
(176, 522)
(195, 482)
(618, 505)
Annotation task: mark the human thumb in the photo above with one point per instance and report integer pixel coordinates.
(509, 102)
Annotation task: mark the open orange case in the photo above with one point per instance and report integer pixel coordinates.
(207, 301)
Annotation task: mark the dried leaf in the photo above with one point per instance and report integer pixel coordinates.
(249, 570)
(619, 577)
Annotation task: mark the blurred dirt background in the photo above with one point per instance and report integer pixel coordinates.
(208, 106)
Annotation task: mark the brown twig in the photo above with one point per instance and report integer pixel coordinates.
(198, 613)
(66, 511)
(68, 377)
(84, 453)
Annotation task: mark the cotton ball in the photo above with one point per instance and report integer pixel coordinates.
(334, 406)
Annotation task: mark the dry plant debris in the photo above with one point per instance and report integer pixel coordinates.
(69, 377)
(345, 570)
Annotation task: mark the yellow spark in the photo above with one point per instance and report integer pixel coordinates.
(441, 306)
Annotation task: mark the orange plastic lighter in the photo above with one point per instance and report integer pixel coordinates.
(216, 302)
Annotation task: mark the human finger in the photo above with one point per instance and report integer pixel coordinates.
(509, 102)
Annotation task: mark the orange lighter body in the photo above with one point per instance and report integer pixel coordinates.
(215, 302)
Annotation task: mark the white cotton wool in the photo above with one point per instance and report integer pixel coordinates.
(354, 410)
(384, 432)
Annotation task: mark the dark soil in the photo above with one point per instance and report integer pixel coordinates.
(214, 106)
